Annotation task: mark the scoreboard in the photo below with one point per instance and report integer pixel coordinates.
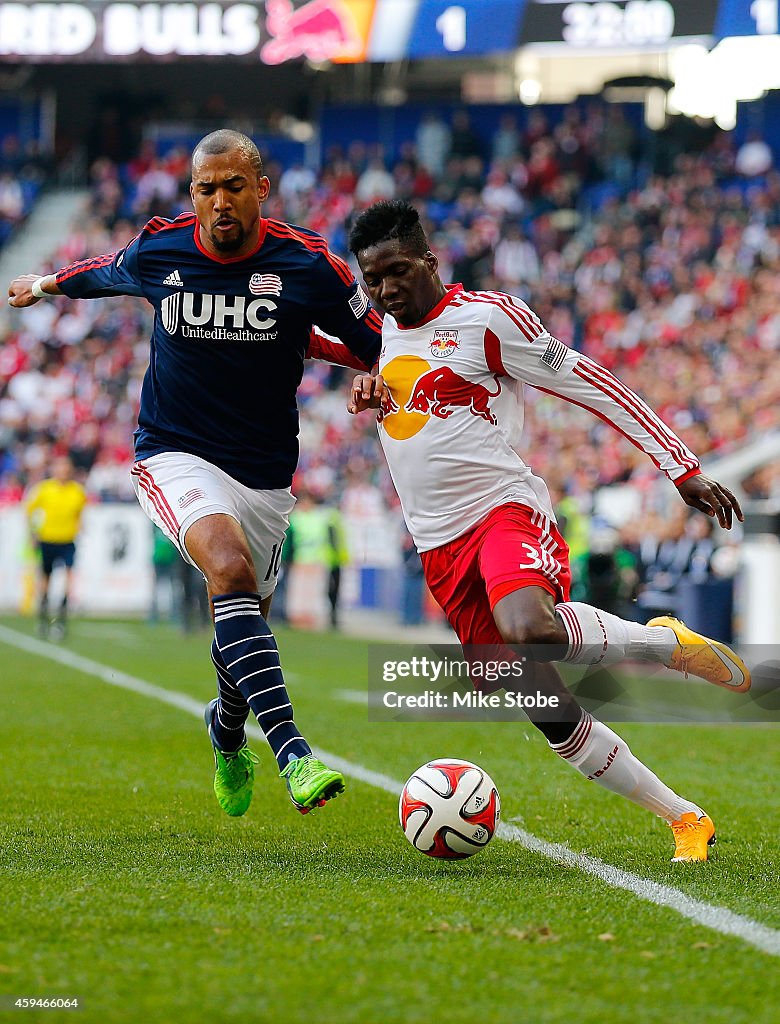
(446, 28)
(635, 23)
(351, 31)
(441, 28)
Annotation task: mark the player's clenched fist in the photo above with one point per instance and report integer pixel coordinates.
(21, 292)
(367, 393)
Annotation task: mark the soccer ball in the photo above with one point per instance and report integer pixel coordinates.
(449, 808)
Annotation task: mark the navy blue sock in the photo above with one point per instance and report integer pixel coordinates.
(232, 710)
(251, 658)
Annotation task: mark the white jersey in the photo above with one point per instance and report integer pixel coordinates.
(452, 428)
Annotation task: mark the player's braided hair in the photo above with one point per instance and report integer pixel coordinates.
(384, 221)
(225, 139)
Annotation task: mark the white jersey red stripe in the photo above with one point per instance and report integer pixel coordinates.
(452, 429)
(607, 381)
(531, 330)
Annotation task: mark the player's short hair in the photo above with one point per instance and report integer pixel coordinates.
(387, 220)
(225, 139)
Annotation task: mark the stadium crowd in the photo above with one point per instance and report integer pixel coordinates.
(23, 170)
(662, 264)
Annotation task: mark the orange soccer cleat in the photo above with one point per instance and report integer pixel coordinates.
(697, 655)
(692, 836)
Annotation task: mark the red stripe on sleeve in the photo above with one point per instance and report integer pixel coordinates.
(601, 416)
(83, 265)
(619, 393)
(493, 353)
(279, 229)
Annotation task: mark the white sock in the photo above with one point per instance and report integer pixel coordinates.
(601, 755)
(597, 637)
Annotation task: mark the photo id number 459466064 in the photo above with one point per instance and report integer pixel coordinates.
(39, 1003)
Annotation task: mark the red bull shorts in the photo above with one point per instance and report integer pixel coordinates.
(511, 548)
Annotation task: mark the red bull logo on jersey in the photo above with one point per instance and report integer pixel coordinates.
(319, 30)
(419, 391)
(441, 391)
(444, 343)
(218, 317)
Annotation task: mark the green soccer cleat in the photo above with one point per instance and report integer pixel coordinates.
(234, 774)
(310, 783)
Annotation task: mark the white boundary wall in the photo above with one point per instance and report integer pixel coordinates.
(114, 576)
(113, 569)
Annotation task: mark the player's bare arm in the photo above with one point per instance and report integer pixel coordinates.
(27, 289)
(712, 498)
(367, 393)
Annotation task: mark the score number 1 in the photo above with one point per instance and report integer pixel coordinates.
(451, 24)
(764, 13)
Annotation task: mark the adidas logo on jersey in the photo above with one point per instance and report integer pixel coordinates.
(174, 279)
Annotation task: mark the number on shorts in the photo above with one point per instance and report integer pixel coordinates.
(275, 562)
(534, 561)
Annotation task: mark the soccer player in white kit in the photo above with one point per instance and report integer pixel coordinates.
(449, 390)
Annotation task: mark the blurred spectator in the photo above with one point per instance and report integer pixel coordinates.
(337, 554)
(464, 141)
(376, 182)
(615, 147)
(683, 551)
(316, 537)
(764, 483)
(506, 141)
(433, 139)
(54, 508)
(515, 263)
(11, 199)
(412, 582)
(500, 196)
(156, 189)
(296, 181)
(195, 606)
(165, 555)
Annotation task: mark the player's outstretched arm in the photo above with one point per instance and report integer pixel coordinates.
(367, 393)
(712, 498)
(329, 350)
(27, 289)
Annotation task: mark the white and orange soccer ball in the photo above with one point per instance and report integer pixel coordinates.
(449, 808)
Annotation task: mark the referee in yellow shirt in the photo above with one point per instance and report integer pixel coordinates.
(54, 508)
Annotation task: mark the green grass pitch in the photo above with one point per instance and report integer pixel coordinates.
(125, 886)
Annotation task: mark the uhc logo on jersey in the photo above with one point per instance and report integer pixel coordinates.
(265, 284)
(218, 317)
(444, 343)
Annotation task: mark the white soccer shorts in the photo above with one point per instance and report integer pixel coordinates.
(175, 490)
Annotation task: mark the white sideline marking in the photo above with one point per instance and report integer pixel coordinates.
(716, 918)
(352, 696)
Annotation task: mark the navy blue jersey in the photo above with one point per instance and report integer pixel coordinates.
(229, 339)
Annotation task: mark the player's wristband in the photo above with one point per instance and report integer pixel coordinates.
(687, 476)
(37, 291)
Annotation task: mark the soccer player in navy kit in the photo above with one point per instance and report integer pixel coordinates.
(235, 297)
